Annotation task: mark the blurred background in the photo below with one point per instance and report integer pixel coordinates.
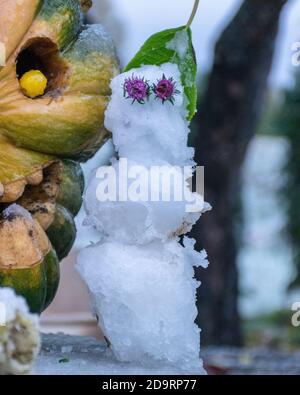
(246, 135)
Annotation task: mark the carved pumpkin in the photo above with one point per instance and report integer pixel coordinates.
(55, 74)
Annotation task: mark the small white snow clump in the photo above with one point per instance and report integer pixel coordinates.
(19, 334)
(141, 279)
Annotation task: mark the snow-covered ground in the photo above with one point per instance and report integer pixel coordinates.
(68, 355)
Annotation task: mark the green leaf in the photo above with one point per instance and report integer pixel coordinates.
(64, 360)
(172, 46)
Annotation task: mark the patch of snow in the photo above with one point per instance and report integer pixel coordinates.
(13, 304)
(90, 356)
(19, 334)
(180, 43)
(144, 297)
(66, 349)
(16, 210)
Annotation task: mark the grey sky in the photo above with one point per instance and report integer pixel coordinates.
(143, 18)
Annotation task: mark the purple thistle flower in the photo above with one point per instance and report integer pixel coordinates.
(137, 89)
(165, 89)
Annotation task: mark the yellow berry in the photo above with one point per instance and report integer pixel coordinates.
(33, 83)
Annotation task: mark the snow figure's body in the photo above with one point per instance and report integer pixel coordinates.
(140, 277)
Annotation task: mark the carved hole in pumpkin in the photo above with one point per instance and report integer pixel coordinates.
(42, 54)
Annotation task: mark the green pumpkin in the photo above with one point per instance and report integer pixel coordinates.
(42, 138)
(78, 61)
(55, 202)
(28, 262)
(62, 231)
(71, 186)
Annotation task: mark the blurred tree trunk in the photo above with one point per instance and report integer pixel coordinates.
(227, 120)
